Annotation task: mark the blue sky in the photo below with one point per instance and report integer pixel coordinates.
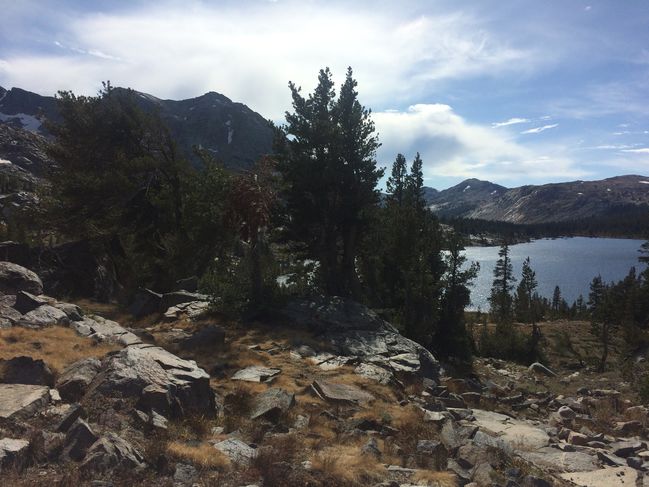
(513, 91)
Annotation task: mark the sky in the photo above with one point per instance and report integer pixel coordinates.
(512, 91)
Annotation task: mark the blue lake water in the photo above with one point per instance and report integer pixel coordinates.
(570, 263)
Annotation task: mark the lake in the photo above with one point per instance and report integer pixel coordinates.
(570, 263)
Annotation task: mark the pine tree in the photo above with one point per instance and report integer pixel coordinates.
(396, 183)
(415, 184)
(600, 305)
(524, 298)
(556, 302)
(501, 299)
(328, 161)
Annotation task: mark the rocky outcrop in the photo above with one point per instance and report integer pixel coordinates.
(21, 401)
(112, 453)
(75, 379)
(15, 278)
(358, 335)
(133, 369)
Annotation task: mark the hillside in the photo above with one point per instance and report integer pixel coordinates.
(230, 131)
(556, 202)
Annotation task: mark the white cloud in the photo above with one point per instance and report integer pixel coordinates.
(643, 150)
(511, 121)
(250, 52)
(450, 146)
(538, 130)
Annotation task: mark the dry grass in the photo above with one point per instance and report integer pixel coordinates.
(202, 455)
(434, 479)
(346, 464)
(57, 346)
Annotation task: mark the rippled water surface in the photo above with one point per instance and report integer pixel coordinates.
(570, 263)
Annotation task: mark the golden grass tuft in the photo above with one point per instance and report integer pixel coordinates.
(57, 346)
(346, 464)
(434, 479)
(202, 455)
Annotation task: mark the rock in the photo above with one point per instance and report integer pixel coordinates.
(610, 460)
(210, 336)
(271, 403)
(185, 475)
(132, 369)
(26, 302)
(73, 311)
(541, 369)
(180, 297)
(437, 417)
(635, 462)
(13, 453)
(14, 278)
(71, 413)
(344, 393)
(146, 302)
(566, 413)
(45, 315)
(25, 370)
(8, 316)
(604, 477)
(371, 448)
(327, 314)
(237, 450)
(626, 449)
(483, 474)
(78, 440)
(513, 434)
(112, 453)
(628, 428)
(20, 401)
(453, 435)
(104, 330)
(192, 310)
(578, 439)
(304, 351)
(256, 374)
(531, 481)
(374, 372)
(156, 398)
(553, 460)
(431, 455)
(76, 378)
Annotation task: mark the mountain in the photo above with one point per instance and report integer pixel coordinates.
(556, 202)
(232, 132)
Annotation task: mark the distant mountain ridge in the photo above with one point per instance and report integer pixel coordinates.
(230, 131)
(555, 202)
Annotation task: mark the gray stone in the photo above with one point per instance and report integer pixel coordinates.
(134, 368)
(483, 474)
(271, 403)
(8, 316)
(78, 440)
(566, 413)
(344, 393)
(14, 278)
(26, 302)
(112, 453)
(70, 414)
(553, 460)
(431, 455)
(73, 311)
(104, 330)
(541, 369)
(12, 453)
(625, 449)
(256, 374)
(76, 378)
(20, 401)
(635, 462)
(180, 297)
(192, 310)
(375, 372)
(185, 475)
(628, 428)
(453, 435)
(45, 315)
(237, 450)
(157, 398)
(25, 370)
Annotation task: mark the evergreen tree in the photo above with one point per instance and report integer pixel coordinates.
(396, 183)
(602, 316)
(556, 302)
(415, 184)
(501, 298)
(526, 311)
(327, 159)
